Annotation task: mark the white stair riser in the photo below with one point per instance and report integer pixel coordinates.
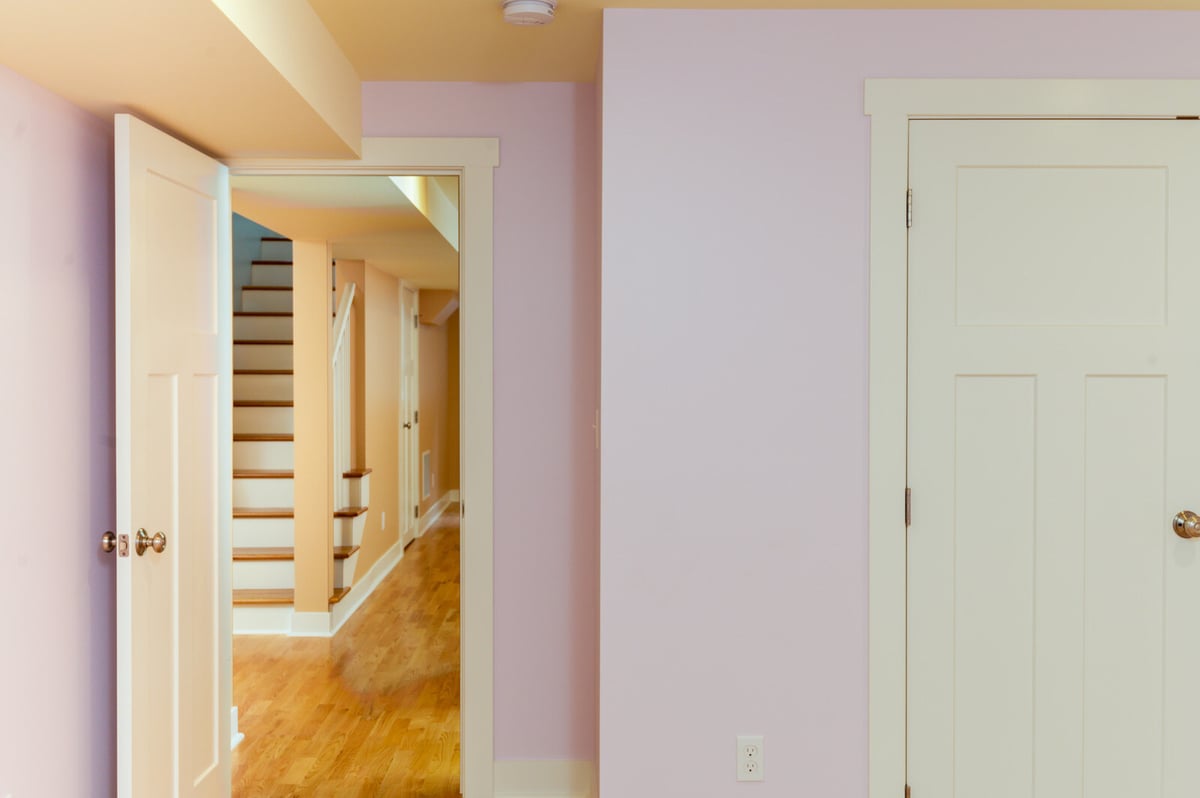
(263, 574)
(264, 455)
(270, 274)
(264, 532)
(263, 387)
(262, 356)
(273, 420)
(349, 531)
(266, 301)
(254, 492)
(270, 328)
(275, 250)
(360, 492)
(343, 571)
(262, 620)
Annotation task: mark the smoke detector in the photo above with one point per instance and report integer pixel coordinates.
(529, 12)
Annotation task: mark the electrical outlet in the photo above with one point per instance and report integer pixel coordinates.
(750, 758)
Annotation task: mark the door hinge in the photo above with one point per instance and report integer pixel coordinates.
(907, 791)
(416, 416)
(908, 209)
(907, 507)
(416, 320)
(416, 511)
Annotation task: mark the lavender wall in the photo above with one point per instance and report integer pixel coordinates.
(734, 479)
(545, 392)
(56, 460)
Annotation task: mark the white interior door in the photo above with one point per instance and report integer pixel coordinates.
(1054, 647)
(410, 437)
(174, 412)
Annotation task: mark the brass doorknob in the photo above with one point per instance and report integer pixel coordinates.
(108, 542)
(1186, 524)
(144, 541)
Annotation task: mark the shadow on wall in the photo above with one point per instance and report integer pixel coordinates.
(247, 237)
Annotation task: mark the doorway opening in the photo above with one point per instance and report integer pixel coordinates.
(473, 161)
(351, 396)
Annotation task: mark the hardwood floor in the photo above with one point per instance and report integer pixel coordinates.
(373, 711)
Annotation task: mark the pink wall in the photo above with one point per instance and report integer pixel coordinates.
(546, 319)
(734, 478)
(56, 462)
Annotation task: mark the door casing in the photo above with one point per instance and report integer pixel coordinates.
(473, 161)
(891, 104)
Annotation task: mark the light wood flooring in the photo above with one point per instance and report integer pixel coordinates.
(373, 711)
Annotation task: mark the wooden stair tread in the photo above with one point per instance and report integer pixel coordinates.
(264, 512)
(282, 553)
(356, 473)
(257, 473)
(267, 313)
(263, 436)
(266, 288)
(261, 597)
(349, 512)
(263, 403)
(271, 262)
(251, 597)
(271, 372)
(264, 341)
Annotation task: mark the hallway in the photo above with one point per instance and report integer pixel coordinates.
(371, 712)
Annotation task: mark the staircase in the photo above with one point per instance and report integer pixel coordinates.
(263, 457)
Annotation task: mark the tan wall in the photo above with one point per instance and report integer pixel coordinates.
(438, 377)
(381, 335)
(453, 444)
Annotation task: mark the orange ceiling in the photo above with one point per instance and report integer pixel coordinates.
(281, 78)
(468, 40)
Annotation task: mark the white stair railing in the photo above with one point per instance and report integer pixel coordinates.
(343, 430)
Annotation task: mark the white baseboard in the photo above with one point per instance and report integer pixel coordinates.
(262, 620)
(435, 512)
(551, 778)
(362, 588)
(286, 621)
(311, 624)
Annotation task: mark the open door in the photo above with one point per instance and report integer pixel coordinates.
(174, 415)
(410, 435)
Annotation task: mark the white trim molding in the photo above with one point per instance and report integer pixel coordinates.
(891, 104)
(550, 778)
(363, 587)
(474, 161)
(434, 513)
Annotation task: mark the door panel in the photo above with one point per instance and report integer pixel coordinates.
(1052, 265)
(173, 429)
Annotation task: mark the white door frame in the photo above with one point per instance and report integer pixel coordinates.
(473, 160)
(891, 104)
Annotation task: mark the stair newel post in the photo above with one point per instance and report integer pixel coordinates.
(314, 426)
